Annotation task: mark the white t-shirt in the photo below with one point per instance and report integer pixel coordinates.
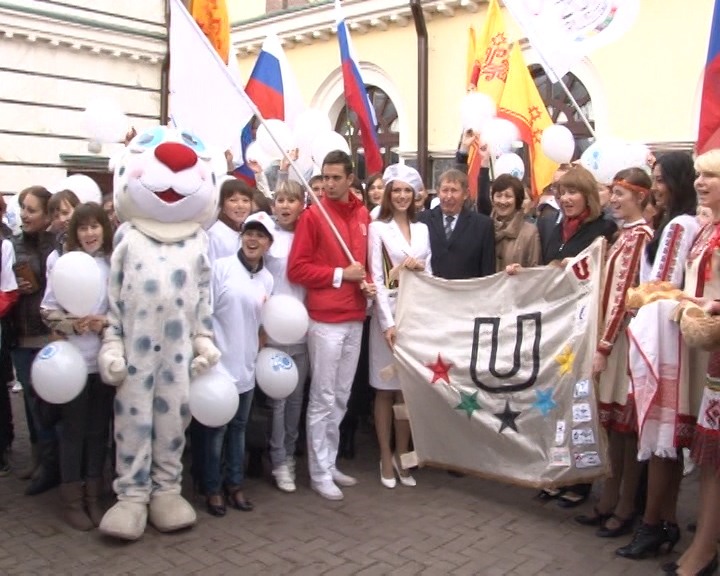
(8, 282)
(224, 241)
(238, 297)
(88, 343)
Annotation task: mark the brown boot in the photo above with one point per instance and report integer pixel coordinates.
(26, 473)
(74, 514)
(93, 493)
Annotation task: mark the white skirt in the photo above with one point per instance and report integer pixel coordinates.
(381, 357)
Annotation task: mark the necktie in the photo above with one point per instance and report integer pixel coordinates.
(448, 226)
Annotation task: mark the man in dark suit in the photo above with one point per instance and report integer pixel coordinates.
(462, 242)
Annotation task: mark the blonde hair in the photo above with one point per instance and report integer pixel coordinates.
(709, 162)
(582, 180)
(293, 190)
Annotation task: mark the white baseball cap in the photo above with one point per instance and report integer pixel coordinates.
(259, 220)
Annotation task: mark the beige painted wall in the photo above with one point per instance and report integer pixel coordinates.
(644, 87)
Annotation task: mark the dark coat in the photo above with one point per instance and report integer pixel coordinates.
(553, 247)
(470, 251)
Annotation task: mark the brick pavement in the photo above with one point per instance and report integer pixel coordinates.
(444, 526)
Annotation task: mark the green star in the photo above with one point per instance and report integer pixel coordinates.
(469, 403)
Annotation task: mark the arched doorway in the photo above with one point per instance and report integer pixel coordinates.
(561, 109)
(388, 130)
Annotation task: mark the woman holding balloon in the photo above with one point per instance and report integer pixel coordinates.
(85, 420)
(240, 286)
(32, 248)
(396, 242)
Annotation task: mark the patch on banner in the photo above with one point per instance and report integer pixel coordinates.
(581, 317)
(560, 433)
(583, 436)
(587, 459)
(560, 457)
(582, 413)
(582, 389)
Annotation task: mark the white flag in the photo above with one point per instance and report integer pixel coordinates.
(205, 94)
(565, 31)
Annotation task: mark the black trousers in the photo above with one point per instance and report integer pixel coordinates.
(84, 430)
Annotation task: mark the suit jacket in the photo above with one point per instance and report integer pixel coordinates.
(470, 251)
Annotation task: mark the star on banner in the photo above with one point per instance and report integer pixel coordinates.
(499, 39)
(566, 359)
(440, 370)
(507, 417)
(544, 401)
(535, 113)
(469, 403)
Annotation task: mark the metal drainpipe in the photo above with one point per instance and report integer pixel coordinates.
(165, 73)
(422, 59)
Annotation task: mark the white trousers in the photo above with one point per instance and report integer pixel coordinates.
(334, 351)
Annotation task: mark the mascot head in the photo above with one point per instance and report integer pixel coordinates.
(165, 175)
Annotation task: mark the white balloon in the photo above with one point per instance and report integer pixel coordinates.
(325, 143)
(214, 398)
(500, 134)
(105, 122)
(285, 319)
(12, 214)
(255, 153)
(77, 283)
(305, 165)
(59, 372)
(558, 143)
(282, 134)
(637, 156)
(510, 164)
(476, 110)
(605, 158)
(219, 164)
(309, 124)
(275, 373)
(85, 188)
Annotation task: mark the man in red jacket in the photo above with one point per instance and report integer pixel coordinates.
(337, 293)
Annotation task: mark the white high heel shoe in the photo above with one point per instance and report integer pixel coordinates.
(404, 480)
(387, 482)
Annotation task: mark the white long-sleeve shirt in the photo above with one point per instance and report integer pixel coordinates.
(672, 253)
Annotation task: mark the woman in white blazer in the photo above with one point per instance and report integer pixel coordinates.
(397, 242)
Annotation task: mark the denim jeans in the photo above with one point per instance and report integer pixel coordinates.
(233, 436)
(23, 359)
(84, 431)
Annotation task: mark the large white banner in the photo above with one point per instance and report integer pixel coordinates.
(496, 372)
(565, 31)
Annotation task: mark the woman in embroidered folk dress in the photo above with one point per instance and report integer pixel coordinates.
(701, 557)
(615, 512)
(396, 242)
(665, 260)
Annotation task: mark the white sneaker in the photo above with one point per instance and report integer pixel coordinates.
(343, 479)
(284, 479)
(328, 490)
(291, 466)
(17, 387)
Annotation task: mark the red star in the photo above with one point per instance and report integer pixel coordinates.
(537, 136)
(499, 39)
(534, 113)
(440, 370)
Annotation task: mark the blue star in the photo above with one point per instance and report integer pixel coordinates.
(545, 402)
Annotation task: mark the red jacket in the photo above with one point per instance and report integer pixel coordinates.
(316, 253)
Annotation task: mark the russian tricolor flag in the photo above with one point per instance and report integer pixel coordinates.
(709, 132)
(275, 92)
(356, 96)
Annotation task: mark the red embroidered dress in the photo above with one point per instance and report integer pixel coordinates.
(622, 269)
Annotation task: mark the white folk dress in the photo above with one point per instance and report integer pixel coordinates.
(388, 249)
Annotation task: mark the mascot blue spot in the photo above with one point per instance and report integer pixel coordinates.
(119, 277)
(133, 411)
(121, 307)
(149, 381)
(145, 431)
(207, 322)
(119, 408)
(151, 286)
(180, 244)
(176, 443)
(127, 460)
(125, 188)
(157, 348)
(138, 266)
(119, 437)
(184, 410)
(173, 329)
(160, 308)
(168, 376)
(132, 370)
(143, 344)
(160, 405)
(162, 258)
(141, 477)
(179, 277)
(121, 171)
(142, 314)
(180, 302)
(178, 358)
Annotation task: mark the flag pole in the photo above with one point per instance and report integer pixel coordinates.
(256, 112)
(577, 107)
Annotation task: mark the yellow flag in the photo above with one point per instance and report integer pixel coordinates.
(492, 52)
(522, 105)
(212, 17)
